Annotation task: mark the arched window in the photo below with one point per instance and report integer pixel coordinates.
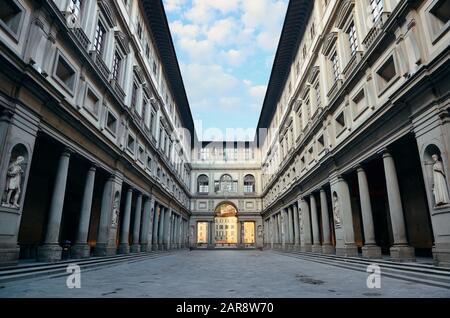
(203, 184)
(249, 184)
(226, 183)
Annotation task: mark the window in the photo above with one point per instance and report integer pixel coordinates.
(134, 95)
(203, 184)
(226, 183)
(141, 154)
(64, 73)
(249, 184)
(130, 143)
(318, 94)
(11, 14)
(442, 11)
(352, 37)
(117, 66)
(335, 63)
(99, 40)
(75, 8)
(377, 9)
(386, 74)
(320, 144)
(91, 102)
(359, 103)
(111, 123)
(340, 123)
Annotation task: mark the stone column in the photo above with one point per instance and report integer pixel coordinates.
(279, 241)
(272, 231)
(135, 247)
(290, 227)
(327, 248)
(239, 234)
(296, 227)
(180, 232)
(156, 217)
(81, 249)
(50, 251)
(305, 226)
(370, 248)
(102, 239)
(345, 235)
(124, 246)
(145, 226)
(400, 251)
(316, 248)
(211, 234)
(166, 237)
(284, 231)
(162, 215)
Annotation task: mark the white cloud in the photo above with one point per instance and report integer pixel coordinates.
(198, 50)
(174, 5)
(182, 31)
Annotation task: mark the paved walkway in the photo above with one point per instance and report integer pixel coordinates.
(220, 274)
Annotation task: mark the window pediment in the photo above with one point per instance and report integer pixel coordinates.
(344, 12)
(123, 41)
(329, 43)
(108, 13)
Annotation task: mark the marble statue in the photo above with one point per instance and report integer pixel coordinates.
(13, 183)
(115, 217)
(440, 190)
(336, 211)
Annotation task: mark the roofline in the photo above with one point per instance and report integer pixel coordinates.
(297, 16)
(156, 16)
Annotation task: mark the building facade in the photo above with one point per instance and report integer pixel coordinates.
(94, 150)
(99, 152)
(356, 158)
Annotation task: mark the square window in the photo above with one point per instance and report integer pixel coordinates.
(11, 14)
(111, 123)
(64, 73)
(442, 11)
(340, 123)
(91, 102)
(130, 143)
(359, 103)
(387, 71)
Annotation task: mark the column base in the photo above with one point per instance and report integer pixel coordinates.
(371, 251)
(155, 247)
(328, 249)
(9, 256)
(124, 248)
(145, 248)
(102, 249)
(80, 251)
(347, 251)
(316, 249)
(441, 255)
(49, 253)
(135, 248)
(306, 248)
(402, 253)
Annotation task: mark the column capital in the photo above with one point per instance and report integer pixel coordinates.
(93, 168)
(360, 168)
(67, 152)
(385, 152)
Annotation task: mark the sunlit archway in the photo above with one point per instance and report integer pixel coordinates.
(226, 225)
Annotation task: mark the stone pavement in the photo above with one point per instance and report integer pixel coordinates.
(223, 274)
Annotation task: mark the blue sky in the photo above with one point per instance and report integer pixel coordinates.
(225, 50)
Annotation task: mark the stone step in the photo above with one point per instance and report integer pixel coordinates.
(396, 270)
(422, 268)
(30, 271)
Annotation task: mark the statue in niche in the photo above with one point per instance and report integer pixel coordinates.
(13, 183)
(440, 190)
(115, 216)
(300, 220)
(336, 211)
(260, 231)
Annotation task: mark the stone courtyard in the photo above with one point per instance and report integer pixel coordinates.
(222, 274)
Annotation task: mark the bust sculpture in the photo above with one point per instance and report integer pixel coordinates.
(13, 183)
(336, 211)
(440, 190)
